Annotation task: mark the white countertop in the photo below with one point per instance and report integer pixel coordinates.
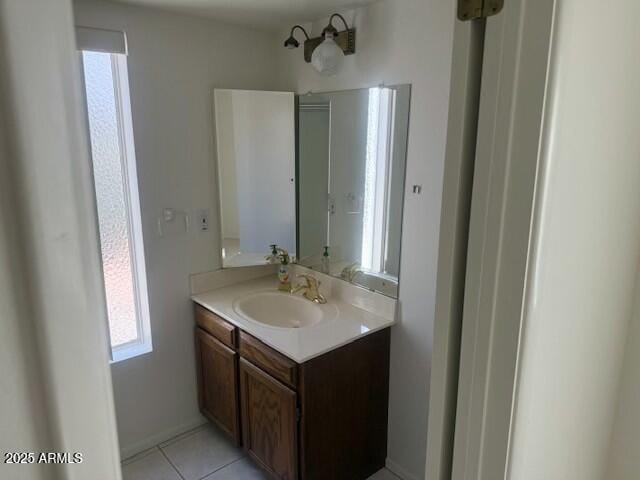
(299, 344)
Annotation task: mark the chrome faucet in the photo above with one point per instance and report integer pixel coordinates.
(310, 289)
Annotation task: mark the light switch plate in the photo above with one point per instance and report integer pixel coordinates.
(168, 214)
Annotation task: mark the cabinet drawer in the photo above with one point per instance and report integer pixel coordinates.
(216, 326)
(268, 359)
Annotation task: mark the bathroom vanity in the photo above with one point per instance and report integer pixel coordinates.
(306, 402)
(301, 384)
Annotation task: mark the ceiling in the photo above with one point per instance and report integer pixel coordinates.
(266, 14)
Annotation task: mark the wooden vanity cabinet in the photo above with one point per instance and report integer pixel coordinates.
(266, 358)
(269, 422)
(217, 372)
(344, 398)
(217, 327)
(323, 419)
(218, 383)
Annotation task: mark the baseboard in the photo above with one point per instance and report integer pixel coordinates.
(398, 471)
(133, 449)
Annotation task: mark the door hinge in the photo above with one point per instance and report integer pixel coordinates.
(472, 9)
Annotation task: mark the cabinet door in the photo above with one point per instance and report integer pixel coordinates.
(218, 383)
(269, 422)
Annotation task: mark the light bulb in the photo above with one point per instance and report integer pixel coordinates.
(328, 57)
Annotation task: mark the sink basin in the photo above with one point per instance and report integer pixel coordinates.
(282, 310)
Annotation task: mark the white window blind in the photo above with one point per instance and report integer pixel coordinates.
(101, 40)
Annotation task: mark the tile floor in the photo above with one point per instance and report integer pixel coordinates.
(201, 454)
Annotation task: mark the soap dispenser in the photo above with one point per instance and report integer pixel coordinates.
(273, 258)
(283, 271)
(325, 261)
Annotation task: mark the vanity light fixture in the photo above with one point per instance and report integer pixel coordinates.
(326, 52)
(291, 42)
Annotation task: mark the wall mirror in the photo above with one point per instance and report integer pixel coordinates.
(334, 200)
(255, 141)
(352, 148)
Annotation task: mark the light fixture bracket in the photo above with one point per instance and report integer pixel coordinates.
(346, 40)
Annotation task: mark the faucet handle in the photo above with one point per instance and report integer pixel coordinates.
(311, 280)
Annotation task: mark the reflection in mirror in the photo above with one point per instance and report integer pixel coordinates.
(351, 172)
(255, 140)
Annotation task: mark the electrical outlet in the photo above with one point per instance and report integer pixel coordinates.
(203, 220)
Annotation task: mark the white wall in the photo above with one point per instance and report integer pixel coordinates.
(404, 42)
(586, 247)
(174, 63)
(55, 387)
(624, 452)
(21, 384)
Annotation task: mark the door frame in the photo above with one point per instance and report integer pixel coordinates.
(510, 126)
(47, 164)
(460, 153)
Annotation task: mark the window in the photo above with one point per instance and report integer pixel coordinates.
(375, 221)
(114, 173)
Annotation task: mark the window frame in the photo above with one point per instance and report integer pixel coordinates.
(380, 147)
(143, 344)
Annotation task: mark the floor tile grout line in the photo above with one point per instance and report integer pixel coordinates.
(160, 447)
(171, 463)
(222, 467)
(184, 436)
(139, 455)
(145, 453)
(181, 436)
